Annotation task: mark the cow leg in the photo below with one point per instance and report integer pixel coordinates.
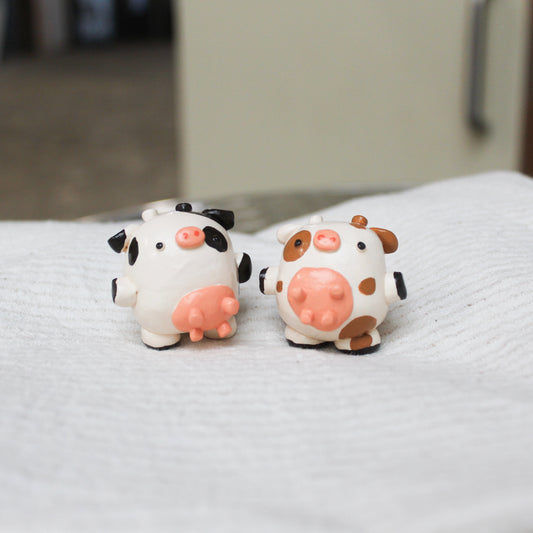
(298, 340)
(224, 331)
(158, 341)
(362, 345)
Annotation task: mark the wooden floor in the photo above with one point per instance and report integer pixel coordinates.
(86, 132)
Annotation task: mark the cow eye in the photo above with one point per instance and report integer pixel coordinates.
(298, 242)
(159, 245)
(361, 245)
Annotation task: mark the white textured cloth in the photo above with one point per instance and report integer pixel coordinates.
(434, 432)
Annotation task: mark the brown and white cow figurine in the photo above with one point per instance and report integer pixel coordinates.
(332, 286)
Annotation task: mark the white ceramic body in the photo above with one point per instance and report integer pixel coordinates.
(162, 274)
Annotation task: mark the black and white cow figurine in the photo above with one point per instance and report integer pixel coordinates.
(181, 275)
(332, 286)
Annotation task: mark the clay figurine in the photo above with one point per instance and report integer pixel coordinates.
(181, 275)
(331, 285)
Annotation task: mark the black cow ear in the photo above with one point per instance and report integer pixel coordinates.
(117, 241)
(225, 218)
(184, 206)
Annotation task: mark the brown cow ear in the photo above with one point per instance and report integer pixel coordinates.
(388, 239)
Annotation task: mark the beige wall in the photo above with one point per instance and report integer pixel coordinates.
(290, 94)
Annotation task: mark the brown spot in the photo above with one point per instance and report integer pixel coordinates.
(279, 286)
(359, 221)
(297, 246)
(388, 239)
(357, 327)
(358, 343)
(367, 286)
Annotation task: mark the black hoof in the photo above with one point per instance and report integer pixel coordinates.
(306, 346)
(362, 351)
(163, 348)
(114, 289)
(262, 276)
(400, 285)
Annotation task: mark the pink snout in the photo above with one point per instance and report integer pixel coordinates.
(327, 240)
(190, 237)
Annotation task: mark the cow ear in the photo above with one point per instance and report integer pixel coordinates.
(388, 239)
(121, 240)
(118, 241)
(225, 218)
(285, 232)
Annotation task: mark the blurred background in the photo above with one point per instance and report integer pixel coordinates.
(86, 106)
(272, 108)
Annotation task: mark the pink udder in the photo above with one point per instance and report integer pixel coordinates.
(327, 240)
(205, 309)
(321, 298)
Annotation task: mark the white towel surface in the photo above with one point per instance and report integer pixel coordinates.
(434, 432)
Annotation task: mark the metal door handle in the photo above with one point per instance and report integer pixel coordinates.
(478, 52)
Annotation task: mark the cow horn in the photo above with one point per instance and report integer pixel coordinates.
(359, 221)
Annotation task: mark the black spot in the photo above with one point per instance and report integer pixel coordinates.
(114, 289)
(297, 242)
(117, 241)
(159, 245)
(187, 208)
(361, 245)
(133, 251)
(306, 346)
(362, 351)
(163, 348)
(400, 285)
(215, 239)
(225, 218)
(245, 268)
